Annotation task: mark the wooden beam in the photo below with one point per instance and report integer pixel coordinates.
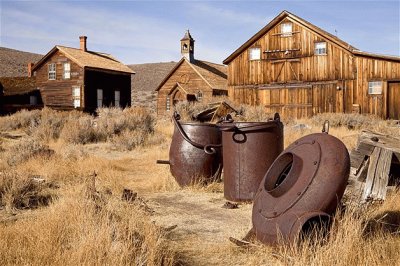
(378, 175)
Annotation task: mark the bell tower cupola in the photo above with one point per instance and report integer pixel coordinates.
(187, 47)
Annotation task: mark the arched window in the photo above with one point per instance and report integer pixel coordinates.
(184, 47)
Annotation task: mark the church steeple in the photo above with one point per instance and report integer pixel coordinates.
(187, 46)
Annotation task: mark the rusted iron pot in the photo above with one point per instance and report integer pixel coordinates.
(249, 150)
(195, 154)
(302, 188)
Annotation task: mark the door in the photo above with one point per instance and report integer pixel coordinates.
(393, 100)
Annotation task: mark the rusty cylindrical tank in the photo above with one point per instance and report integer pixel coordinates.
(302, 188)
(249, 150)
(195, 153)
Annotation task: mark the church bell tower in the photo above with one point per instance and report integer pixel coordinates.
(187, 47)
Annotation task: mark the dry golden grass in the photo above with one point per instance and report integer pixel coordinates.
(68, 220)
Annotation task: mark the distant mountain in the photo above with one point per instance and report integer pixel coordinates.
(145, 81)
(14, 63)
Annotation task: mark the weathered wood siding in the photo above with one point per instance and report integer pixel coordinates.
(190, 80)
(58, 93)
(290, 79)
(370, 69)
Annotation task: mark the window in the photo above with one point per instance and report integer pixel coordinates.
(52, 71)
(320, 48)
(99, 98)
(199, 95)
(67, 71)
(255, 54)
(117, 97)
(168, 104)
(33, 100)
(76, 96)
(286, 29)
(375, 87)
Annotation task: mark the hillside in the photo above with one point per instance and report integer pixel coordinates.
(145, 81)
(13, 63)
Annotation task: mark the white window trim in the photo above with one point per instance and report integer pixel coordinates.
(375, 87)
(286, 33)
(252, 55)
(76, 96)
(52, 71)
(318, 51)
(67, 72)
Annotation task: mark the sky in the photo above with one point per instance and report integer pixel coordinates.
(150, 31)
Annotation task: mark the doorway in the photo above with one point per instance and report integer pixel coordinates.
(393, 100)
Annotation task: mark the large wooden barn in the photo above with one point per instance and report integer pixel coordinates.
(295, 68)
(71, 78)
(190, 80)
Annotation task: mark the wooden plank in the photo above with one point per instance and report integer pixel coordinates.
(382, 175)
(378, 175)
(371, 173)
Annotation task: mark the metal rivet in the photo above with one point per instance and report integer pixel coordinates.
(315, 162)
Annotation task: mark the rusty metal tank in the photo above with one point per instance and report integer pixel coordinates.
(195, 153)
(301, 189)
(249, 148)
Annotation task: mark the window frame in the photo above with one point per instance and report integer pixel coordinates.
(52, 71)
(67, 72)
(33, 100)
(199, 95)
(317, 50)
(286, 33)
(98, 98)
(76, 97)
(250, 53)
(117, 92)
(372, 88)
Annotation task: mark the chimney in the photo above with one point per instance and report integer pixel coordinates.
(83, 43)
(30, 66)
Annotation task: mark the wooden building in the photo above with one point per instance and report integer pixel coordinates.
(190, 80)
(18, 93)
(295, 68)
(71, 78)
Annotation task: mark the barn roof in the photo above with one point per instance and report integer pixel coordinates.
(215, 75)
(285, 14)
(17, 85)
(88, 59)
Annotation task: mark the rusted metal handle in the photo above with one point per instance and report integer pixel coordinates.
(325, 127)
(234, 127)
(209, 148)
(163, 162)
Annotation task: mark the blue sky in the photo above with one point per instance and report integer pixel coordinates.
(149, 31)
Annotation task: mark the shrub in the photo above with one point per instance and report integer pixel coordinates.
(79, 131)
(20, 120)
(21, 192)
(27, 148)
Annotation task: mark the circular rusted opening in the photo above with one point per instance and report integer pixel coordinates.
(317, 226)
(281, 177)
